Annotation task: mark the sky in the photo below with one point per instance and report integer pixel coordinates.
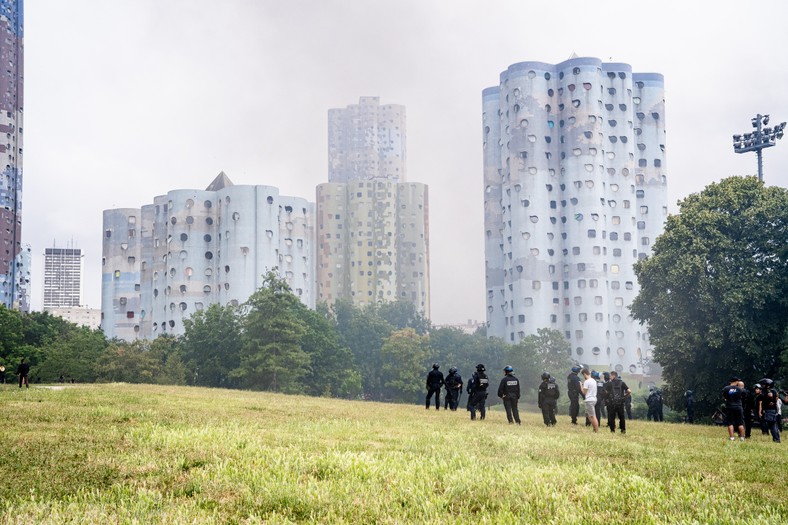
(126, 100)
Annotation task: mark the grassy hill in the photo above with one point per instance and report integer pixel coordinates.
(149, 454)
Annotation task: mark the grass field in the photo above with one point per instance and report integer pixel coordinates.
(148, 454)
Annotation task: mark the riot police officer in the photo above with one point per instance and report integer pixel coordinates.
(453, 384)
(509, 391)
(573, 391)
(477, 390)
(434, 384)
(548, 398)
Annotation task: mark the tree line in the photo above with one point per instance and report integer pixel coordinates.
(274, 343)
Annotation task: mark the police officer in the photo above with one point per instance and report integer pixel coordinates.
(434, 384)
(734, 412)
(617, 393)
(477, 390)
(548, 398)
(573, 391)
(768, 409)
(689, 396)
(509, 391)
(600, 394)
(453, 384)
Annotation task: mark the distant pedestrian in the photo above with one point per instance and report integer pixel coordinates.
(769, 408)
(22, 371)
(509, 392)
(617, 392)
(453, 384)
(434, 385)
(2, 375)
(734, 411)
(589, 391)
(548, 398)
(477, 391)
(689, 399)
(573, 391)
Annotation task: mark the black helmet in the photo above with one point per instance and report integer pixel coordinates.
(768, 383)
(545, 376)
(551, 380)
(690, 392)
(480, 367)
(453, 370)
(436, 366)
(508, 368)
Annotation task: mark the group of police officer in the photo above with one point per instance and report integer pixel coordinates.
(612, 394)
(761, 407)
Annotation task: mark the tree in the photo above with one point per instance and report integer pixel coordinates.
(211, 345)
(715, 290)
(271, 357)
(404, 361)
(72, 355)
(403, 314)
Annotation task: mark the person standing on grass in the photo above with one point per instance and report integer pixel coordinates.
(453, 384)
(617, 392)
(434, 385)
(589, 391)
(509, 391)
(573, 391)
(769, 409)
(548, 399)
(23, 370)
(2, 375)
(689, 396)
(600, 394)
(734, 412)
(477, 392)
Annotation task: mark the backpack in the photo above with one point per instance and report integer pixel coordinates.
(618, 393)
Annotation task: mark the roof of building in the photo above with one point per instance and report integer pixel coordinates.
(221, 181)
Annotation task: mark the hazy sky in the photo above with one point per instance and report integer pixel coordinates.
(128, 99)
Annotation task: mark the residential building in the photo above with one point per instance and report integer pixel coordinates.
(372, 225)
(193, 248)
(574, 195)
(14, 258)
(62, 277)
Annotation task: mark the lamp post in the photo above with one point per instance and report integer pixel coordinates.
(759, 139)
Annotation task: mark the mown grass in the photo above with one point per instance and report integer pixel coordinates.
(150, 454)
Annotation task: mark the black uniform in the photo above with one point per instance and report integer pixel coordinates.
(750, 411)
(616, 392)
(434, 385)
(22, 371)
(453, 384)
(509, 391)
(477, 390)
(734, 411)
(600, 399)
(548, 398)
(769, 414)
(690, 397)
(573, 391)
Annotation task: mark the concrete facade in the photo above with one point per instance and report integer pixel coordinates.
(82, 316)
(192, 248)
(372, 226)
(62, 277)
(574, 195)
(14, 257)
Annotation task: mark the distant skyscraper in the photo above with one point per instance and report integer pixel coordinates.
(62, 277)
(372, 226)
(192, 248)
(574, 195)
(14, 259)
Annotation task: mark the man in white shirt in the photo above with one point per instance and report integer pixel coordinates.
(589, 391)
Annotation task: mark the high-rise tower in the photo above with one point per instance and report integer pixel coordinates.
(372, 226)
(14, 260)
(62, 277)
(574, 195)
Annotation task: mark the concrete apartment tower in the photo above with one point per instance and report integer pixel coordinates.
(193, 248)
(62, 277)
(14, 258)
(372, 225)
(574, 195)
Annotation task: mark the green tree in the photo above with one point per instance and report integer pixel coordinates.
(403, 314)
(271, 356)
(715, 290)
(211, 346)
(72, 355)
(404, 358)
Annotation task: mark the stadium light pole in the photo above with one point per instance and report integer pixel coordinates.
(759, 139)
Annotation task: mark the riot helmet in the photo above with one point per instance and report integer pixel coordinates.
(508, 369)
(436, 366)
(480, 367)
(575, 369)
(545, 376)
(453, 370)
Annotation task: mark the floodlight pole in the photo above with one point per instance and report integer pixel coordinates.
(759, 139)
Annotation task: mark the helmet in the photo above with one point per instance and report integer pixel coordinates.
(595, 374)
(480, 367)
(575, 369)
(545, 375)
(453, 370)
(768, 383)
(436, 366)
(508, 368)
(690, 392)
(552, 380)
(606, 375)
(758, 386)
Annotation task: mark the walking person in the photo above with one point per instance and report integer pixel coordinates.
(769, 409)
(477, 391)
(23, 370)
(453, 384)
(548, 399)
(617, 392)
(734, 411)
(573, 391)
(589, 389)
(509, 391)
(434, 385)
